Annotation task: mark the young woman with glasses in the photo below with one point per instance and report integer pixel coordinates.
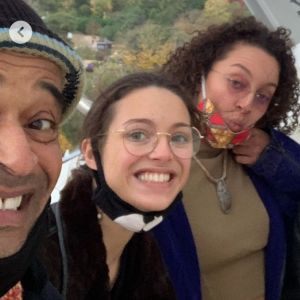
(235, 224)
(138, 141)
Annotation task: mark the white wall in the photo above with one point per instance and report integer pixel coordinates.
(70, 162)
(296, 136)
(274, 13)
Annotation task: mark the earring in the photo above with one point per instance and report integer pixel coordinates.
(99, 215)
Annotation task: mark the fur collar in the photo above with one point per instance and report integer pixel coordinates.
(84, 243)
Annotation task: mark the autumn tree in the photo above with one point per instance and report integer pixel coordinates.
(147, 36)
(64, 143)
(148, 59)
(146, 46)
(220, 11)
(214, 12)
(101, 7)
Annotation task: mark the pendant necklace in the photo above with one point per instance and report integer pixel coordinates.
(223, 194)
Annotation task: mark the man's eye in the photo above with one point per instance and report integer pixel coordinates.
(41, 125)
(42, 130)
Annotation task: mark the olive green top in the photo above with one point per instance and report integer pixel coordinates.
(230, 247)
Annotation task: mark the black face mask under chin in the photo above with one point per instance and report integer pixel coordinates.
(13, 268)
(120, 211)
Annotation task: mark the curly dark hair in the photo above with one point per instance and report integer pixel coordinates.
(194, 59)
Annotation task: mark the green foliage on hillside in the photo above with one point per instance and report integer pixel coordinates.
(112, 18)
(61, 22)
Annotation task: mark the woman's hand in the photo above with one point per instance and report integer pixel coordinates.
(249, 150)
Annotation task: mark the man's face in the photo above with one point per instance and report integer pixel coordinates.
(30, 157)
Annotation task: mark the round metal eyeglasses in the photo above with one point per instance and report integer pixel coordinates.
(141, 138)
(240, 87)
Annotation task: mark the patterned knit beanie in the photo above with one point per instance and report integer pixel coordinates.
(44, 44)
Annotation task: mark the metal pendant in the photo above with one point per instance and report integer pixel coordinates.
(224, 197)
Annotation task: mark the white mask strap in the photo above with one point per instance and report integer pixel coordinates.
(203, 87)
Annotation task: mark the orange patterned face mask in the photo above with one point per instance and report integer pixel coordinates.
(217, 132)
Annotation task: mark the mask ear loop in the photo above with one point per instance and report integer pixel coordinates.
(98, 174)
(203, 87)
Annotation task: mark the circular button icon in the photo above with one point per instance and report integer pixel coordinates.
(20, 32)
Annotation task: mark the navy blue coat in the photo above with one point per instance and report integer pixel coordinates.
(276, 177)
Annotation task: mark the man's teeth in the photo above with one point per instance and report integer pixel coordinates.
(154, 177)
(10, 203)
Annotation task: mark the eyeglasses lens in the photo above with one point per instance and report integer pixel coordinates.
(141, 139)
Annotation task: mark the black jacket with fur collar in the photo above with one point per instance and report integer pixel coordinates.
(142, 275)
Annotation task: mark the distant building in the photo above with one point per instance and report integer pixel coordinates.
(106, 44)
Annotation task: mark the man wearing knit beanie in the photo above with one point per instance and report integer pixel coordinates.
(41, 82)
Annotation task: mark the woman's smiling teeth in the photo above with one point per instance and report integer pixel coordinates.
(10, 203)
(155, 177)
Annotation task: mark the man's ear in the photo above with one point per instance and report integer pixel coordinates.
(87, 151)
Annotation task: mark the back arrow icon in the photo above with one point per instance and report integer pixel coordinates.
(19, 31)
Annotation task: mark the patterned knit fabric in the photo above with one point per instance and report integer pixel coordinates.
(44, 44)
(14, 293)
(218, 133)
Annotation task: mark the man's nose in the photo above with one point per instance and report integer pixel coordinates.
(16, 154)
(162, 149)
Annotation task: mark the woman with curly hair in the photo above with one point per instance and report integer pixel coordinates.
(235, 223)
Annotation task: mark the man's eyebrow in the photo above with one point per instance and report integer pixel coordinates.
(54, 91)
